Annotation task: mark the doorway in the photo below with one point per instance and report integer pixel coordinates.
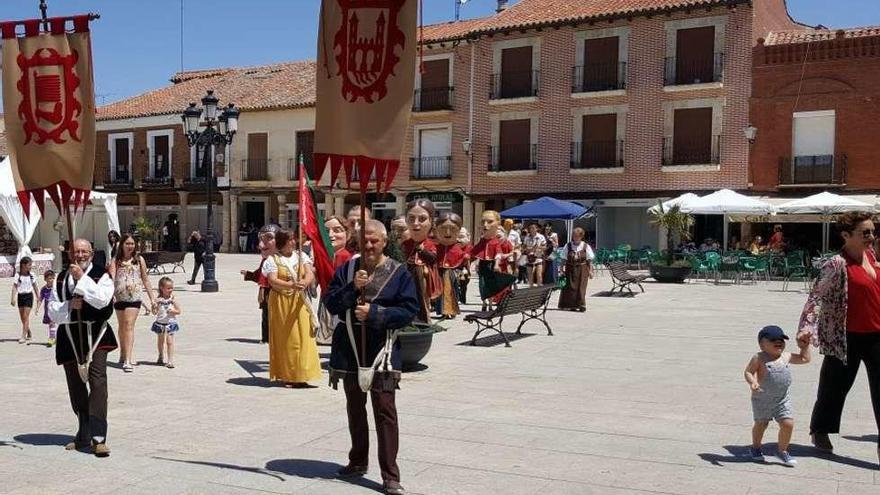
(255, 213)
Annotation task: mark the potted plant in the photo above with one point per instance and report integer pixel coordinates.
(144, 231)
(415, 342)
(678, 227)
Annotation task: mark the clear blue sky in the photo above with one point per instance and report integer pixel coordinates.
(136, 43)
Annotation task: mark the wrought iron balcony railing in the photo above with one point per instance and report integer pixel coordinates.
(683, 150)
(598, 77)
(681, 71)
(431, 167)
(818, 170)
(514, 84)
(513, 157)
(255, 168)
(600, 154)
(430, 99)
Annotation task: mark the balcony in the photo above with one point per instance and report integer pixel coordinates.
(820, 170)
(598, 77)
(431, 99)
(595, 155)
(694, 71)
(514, 84)
(121, 181)
(513, 157)
(293, 167)
(688, 151)
(157, 182)
(430, 167)
(255, 169)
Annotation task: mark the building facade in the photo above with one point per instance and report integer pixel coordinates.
(815, 102)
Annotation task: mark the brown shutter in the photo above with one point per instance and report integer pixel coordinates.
(160, 155)
(599, 140)
(121, 146)
(258, 156)
(692, 138)
(694, 55)
(516, 72)
(305, 146)
(601, 63)
(436, 74)
(515, 144)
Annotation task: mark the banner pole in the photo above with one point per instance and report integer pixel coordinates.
(70, 262)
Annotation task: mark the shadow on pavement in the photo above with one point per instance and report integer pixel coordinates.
(608, 293)
(740, 454)
(242, 340)
(861, 438)
(221, 465)
(253, 381)
(13, 444)
(43, 439)
(312, 469)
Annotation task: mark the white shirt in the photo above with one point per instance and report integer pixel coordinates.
(291, 263)
(514, 238)
(95, 294)
(532, 242)
(578, 248)
(24, 284)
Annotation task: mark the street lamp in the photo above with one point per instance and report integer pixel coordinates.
(218, 131)
(751, 133)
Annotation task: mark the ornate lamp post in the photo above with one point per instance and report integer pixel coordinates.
(219, 130)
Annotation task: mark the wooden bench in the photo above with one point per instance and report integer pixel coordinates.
(623, 279)
(159, 260)
(531, 303)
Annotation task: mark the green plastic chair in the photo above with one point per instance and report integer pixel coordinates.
(795, 268)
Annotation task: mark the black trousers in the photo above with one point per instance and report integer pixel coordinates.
(462, 290)
(264, 308)
(196, 267)
(837, 378)
(387, 430)
(89, 404)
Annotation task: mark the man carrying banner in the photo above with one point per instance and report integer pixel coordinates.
(80, 305)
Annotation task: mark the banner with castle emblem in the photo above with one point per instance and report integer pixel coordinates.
(366, 73)
(49, 107)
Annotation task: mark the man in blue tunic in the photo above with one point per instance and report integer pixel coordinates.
(366, 337)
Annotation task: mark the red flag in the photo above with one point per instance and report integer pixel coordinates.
(311, 226)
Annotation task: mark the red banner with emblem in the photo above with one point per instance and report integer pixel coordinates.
(49, 108)
(365, 81)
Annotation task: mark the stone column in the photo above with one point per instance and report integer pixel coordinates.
(142, 203)
(399, 203)
(339, 207)
(282, 210)
(233, 222)
(227, 233)
(467, 214)
(328, 205)
(182, 216)
(479, 206)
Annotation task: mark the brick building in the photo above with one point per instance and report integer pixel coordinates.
(815, 102)
(614, 104)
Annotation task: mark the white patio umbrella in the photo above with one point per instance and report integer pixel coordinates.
(826, 204)
(726, 201)
(680, 201)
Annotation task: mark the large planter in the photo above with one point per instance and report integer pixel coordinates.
(670, 274)
(415, 342)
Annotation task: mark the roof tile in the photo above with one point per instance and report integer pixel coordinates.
(808, 36)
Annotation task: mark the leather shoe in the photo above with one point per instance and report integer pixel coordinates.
(822, 442)
(394, 488)
(351, 471)
(101, 450)
(74, 445)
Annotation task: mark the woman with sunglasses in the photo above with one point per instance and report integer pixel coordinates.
(842, 317)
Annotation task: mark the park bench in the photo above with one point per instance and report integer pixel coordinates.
(623, 279)
(161, 260)
(531, 303)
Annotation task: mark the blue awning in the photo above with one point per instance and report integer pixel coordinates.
(546, 208)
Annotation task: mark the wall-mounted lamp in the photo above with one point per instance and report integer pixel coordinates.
(466, 146)
(751, 133)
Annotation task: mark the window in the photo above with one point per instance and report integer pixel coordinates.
(305, 147)
(256, 165)
(517, 78)
(120, 147)
(121, 163)
(514, 150)
(160, 144)
(694, 50)
(602, 70)
(599, 147)
(813, 147)
(434, 159)
(435, 89)
(201, 162)
(692, 141)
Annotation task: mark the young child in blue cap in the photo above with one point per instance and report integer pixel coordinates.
(769, 376)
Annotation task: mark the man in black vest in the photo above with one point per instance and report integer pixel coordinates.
(81, 306)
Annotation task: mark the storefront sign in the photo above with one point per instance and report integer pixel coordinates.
(436, 197)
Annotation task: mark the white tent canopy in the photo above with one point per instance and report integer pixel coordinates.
(825, 203)
(23, 229)
(681, 202)
(727, 201)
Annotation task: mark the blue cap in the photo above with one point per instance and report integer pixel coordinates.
(772, 332)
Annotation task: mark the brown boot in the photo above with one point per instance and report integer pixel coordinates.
(74, 445)
(394, 488)
(101, 450)
(351, 471)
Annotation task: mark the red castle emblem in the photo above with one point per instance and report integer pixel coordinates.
(48, 87)
(366, 59)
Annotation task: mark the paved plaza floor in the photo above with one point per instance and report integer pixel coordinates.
(637, 395)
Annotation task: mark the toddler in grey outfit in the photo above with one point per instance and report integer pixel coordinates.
(769, 377)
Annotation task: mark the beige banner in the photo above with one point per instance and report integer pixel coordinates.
(366, 73)
(49, 107)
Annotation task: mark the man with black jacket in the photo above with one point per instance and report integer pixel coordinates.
(81, 306)
(197, 245)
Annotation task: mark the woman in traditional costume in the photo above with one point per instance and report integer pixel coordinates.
(492, 256)
(578, 257)
(293, 353)
(452, 259)
(339, 234)
(421, 255)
